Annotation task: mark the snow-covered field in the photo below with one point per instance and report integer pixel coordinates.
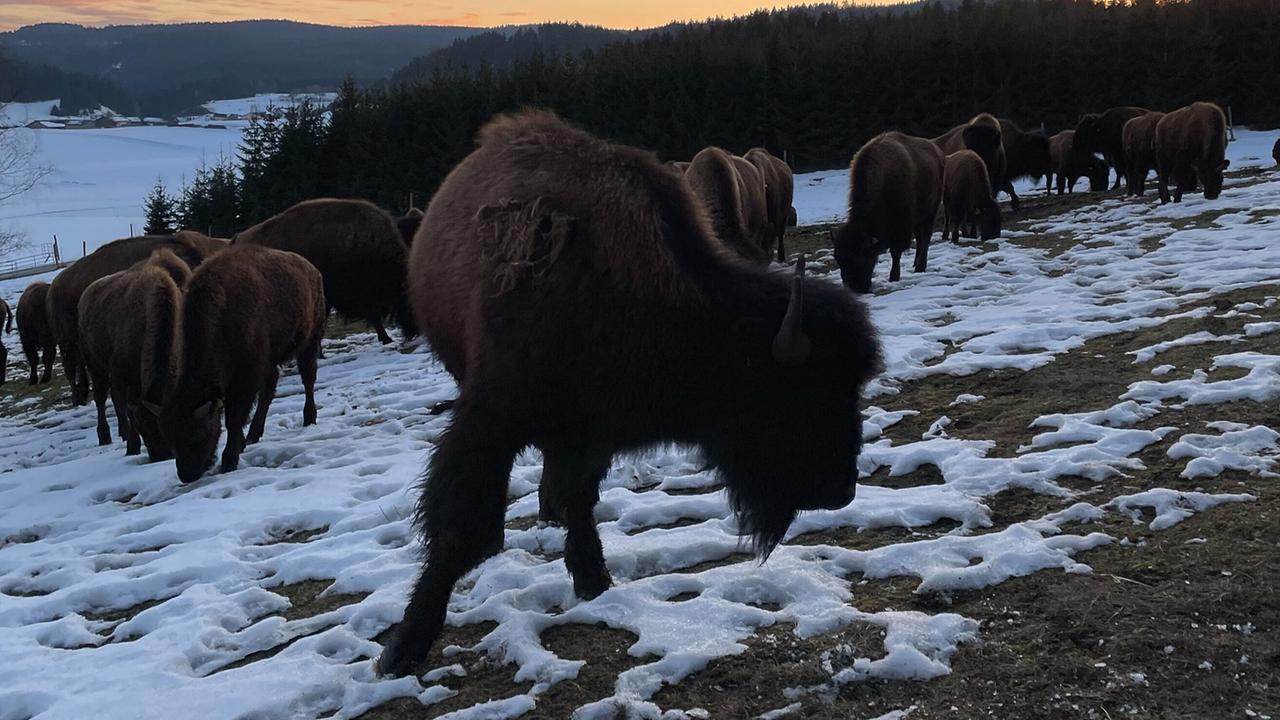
(101, 178)
(123, 594)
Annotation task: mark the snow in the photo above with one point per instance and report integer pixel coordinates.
(264, 101)
(85, 531)
(16, 114)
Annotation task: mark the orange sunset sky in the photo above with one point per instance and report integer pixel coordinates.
(611, 13)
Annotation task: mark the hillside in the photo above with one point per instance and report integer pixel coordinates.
(169, 68)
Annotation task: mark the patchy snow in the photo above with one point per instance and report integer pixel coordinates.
(264, 101)
(85, 531)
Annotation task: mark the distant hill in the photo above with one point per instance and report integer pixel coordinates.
(26, 82)
(168, 68)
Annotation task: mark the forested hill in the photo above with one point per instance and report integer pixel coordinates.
(502, 48)
(27, 82)
(168, 68)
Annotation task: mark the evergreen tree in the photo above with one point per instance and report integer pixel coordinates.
(161, 210)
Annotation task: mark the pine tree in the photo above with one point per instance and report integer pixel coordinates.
(161, 211)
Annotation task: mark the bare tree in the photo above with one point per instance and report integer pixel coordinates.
(20, 171)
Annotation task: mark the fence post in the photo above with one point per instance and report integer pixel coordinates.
(1231, 126)
(130, 229)
(84, 248)
(57, 257)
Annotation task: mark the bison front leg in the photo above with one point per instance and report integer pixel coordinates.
(1014, 201)
(266, 393)
(237, 408)
(307, 370)
(1162, 184)
(576, 482)
(460, 514)
(923, 234)
(381, 329)
(101, 389)
(50, 351)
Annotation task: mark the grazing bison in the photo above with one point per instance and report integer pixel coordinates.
(6, 321)
(1070, 166)
(34, 331)
(1026, 156)
(714, 180)
(65, 290)
(1191, 145)
(246, 311)
(982, 134)
(129, 335)
(1140, 151)
(1104, 134)
(895, 185)
(779, 191)
(966, 198)
(1275, 152)
(358, 249)
(408, 224)
(576, 290)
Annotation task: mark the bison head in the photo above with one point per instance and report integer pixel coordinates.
(1088, 137)
(1099, 173)
(193, 433)
(856, 254)
(986, 141)
(1213, 180)
(790, 438)
(987, 217)
(145, 418)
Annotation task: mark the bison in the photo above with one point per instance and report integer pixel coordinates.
(129, 335)
(246, 311)
(577, 292)
(1103, 134)
(64, 292)
(895, 186)
(982, 134)
(6, 322)
(755, 207)
(966, 198)
(1026, 156)
(1140, 151)
(679, 166)
(358, 249)
(714, 179)
(1191, 146)
(1070, 166)
(1275, 152)
(34, 331)
(779, 190)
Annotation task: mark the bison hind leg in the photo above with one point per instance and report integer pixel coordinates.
(574, 483)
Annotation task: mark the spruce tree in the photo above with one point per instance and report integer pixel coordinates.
(161, 211)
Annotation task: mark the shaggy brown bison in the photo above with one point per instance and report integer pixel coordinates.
(246, 311)
(577, 292)
(755, 206)
(65, 290)
(714, 180)
(779, 191)
(895, 185)
(6, 322)
(1140, 151)
(1191, 145)
(966, 198)
(358, 249)
(1069, 166)
(1104, 134)
(408, 224)
(34, 331)
(1275, 152)
(982, 134)
(1026, 156)
(129, 335)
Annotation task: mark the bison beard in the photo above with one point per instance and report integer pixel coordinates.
(576, 291)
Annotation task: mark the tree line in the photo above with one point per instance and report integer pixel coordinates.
(812, 85)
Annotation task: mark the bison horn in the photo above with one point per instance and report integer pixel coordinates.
(791, 346)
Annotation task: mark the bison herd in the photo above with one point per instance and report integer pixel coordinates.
(587, 299)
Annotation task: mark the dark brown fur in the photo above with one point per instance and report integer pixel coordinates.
(408, 224)
(895, 187)
(358, 249)
(779, 191)
(714, 179)
(576, 290)
(966, 198)
(130, 340)
(1069, 166)
(1104, 134)
(1140, 151)
(246, 311)
(1275, 152)
(755, 205)
(1026, 156)
(1191, 147)
(982, 134)
(65, 290)
(35, 333)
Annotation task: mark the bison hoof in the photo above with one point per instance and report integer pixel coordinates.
(589, 585)
(442, 407)
(399, 658)
(230, 464)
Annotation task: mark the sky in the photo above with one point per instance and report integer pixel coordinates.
(610, 13)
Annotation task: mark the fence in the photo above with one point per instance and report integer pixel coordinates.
(48, 258)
